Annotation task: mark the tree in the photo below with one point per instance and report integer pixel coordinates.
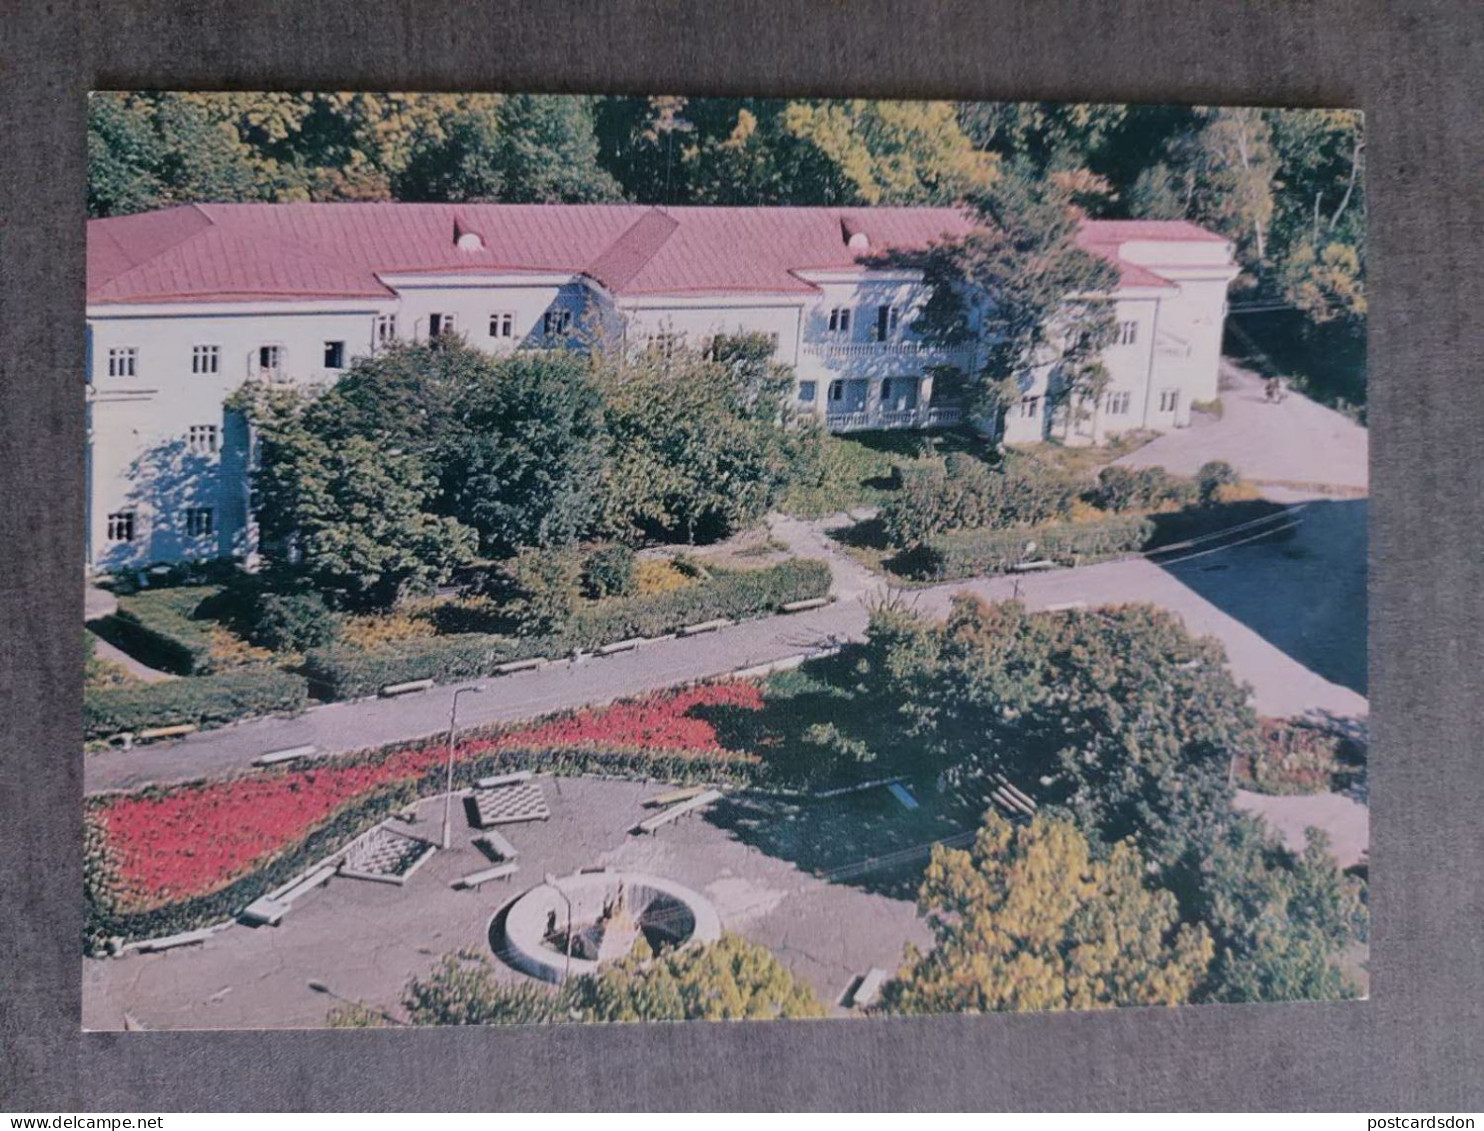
(1037, 293)
(1282, 920)
(547, 152)
(525, 465)
(1115, 716)
(351, 515)
(700, 444)
(1029, 919)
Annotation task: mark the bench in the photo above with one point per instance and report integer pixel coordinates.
(303, 884)
(474, 879)
(504, 779)
(801, 606)
(675, 796)
(1039, 563)
(675, 812)
(288, 754)
(166, 732)
(264, 912)
(902, 794)
(394, 689)
(704, 626)
(621, 646)
(1066, 606)
(519, 666)
(869, 989)
(498, 845)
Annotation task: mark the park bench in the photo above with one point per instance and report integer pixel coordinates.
(504, 779)
(869, 989)
(801, 606)
(621, 646)
(393, 689)
(1066, 606)
(519, 666)
(170, 942)
(902, 794)
(704, 626)
(288, 754)
(474, 879)
(498, 845)
(675, 796)
(166, 732)
(264, 912)
(1028, 567)
(675, 812)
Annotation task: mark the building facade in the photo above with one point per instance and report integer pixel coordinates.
(187, 304)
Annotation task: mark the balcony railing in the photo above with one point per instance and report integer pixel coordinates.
(865, 419)
(838, 353)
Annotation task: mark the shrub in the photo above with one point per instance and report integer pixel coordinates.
(203, 701)
(1297, 757)
(964, 553)
(1212, 477)
(660, 575)
(348, 673)
(964, 493)
(547, 584)
(608, 571)
(293, 622)
(1141, 489)
(160, 627)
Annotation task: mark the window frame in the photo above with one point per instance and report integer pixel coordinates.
(123, 361)
(502, 325)
(838, 323)
(807, 392)
(1030, 406)
(1119, 403)
(335, 348)
(1128, 332)
(203, 439)
(279, 354)
(448, 324)
(556, 322)
(119, 520)
(206, 360)
(1169, 400)
(199, 522)
(383, 331)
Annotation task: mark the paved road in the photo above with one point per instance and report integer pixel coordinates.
(1295, 442)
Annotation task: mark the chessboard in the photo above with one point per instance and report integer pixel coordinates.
(508, 804)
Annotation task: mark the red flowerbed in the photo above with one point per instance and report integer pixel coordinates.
(171, 845)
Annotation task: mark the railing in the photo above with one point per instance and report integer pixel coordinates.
(922, 417)
(1171, 345)
(888, 351)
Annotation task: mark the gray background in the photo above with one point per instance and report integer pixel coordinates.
(1416, 68)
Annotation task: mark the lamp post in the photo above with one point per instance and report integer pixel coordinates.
(550, 881)
(453, 716)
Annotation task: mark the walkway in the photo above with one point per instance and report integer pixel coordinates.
(1297, 442)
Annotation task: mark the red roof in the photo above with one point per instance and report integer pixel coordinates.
(215, 252)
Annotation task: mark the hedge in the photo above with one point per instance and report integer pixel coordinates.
(350, 673)
(204, 701)
(105, 920)
(964, 553)
(158, 628)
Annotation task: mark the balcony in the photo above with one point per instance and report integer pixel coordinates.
(930, 416)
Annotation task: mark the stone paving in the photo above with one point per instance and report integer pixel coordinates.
(828, 921)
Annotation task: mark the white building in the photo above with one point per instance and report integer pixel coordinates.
(186, 304)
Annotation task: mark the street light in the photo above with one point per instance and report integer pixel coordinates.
(453, 716)
(550, 881)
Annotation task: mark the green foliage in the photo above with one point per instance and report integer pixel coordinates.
(160, 627)
(1282, 920)
(1030, 919)
(730, 979)
(1298, 757)
(204, 701)
(965, 493)
(700, 448)
(547, 588)
(523, 461)
(1115, 716)
(349, 673)
(293, 622)
(1143, 489)
(608, 571)
(1212, 476)
(966, 553)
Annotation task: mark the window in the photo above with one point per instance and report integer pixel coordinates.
(887, 320)
(441, 324)
(123, 362)
(206, 359)
(1169, 400)
(1118, 404)
(885, 390)
(664, 344)
(198, 521)
(270, 360)
(837, 390)
(1029, 407)
(1128, 333)
(121, 526)
(202, 439)
(334, 355)
(384, 333)
(502, 324)
(556, 322)
(840, 321)
(806, 392)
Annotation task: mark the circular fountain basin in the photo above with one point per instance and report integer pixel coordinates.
(534, 937)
